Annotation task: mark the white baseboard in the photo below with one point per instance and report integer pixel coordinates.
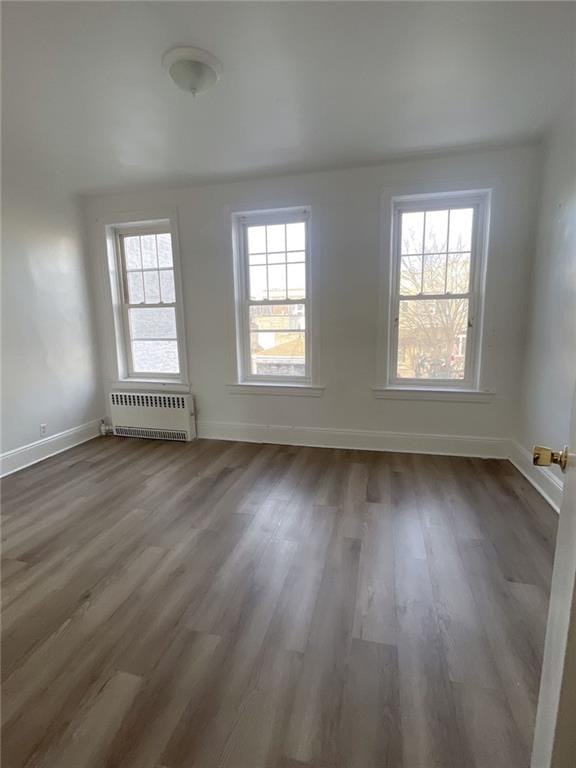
(361, 439)
(543, 479)
(12, 461)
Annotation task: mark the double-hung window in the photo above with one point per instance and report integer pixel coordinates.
(272, 301)
(437, 287)
(148, 304)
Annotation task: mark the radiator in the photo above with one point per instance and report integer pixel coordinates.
(153, 415)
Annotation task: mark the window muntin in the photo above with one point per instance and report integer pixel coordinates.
(149, 303)
(272, 297)
(436, 291)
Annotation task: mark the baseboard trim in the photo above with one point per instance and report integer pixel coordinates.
(359, 439)
(19, 458)
(543, 479)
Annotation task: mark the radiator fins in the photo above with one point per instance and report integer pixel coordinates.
(147, 401)
(153, 434)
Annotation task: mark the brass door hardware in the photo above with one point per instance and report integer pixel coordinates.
(544, 457)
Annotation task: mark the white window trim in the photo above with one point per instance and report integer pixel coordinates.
(437, 394)
(266, 388)
(137, 225)
(470, 388)
(247, 382)
(141, 385)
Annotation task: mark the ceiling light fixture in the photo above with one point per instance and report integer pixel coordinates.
(192, 69)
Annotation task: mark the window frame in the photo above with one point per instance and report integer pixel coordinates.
(240, 223)
(118, 278)
(480, 201)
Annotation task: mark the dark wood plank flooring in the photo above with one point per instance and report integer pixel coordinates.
(231, 605)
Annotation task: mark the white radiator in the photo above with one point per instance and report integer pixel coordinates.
(153, 415)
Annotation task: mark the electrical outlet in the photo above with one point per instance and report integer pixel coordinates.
(43, 430)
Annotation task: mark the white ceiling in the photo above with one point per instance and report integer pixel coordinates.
(305, 85)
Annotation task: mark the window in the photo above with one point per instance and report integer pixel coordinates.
(272, 261)
(148, 302)
(437, 267)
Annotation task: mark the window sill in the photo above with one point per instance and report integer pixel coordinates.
(142, 384)
(423, 394)
(256, 388)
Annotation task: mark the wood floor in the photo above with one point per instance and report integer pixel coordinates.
(260, 606)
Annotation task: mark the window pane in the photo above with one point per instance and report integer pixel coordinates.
(411, 275)
(155, 357)
(278, 354)
(132, 253)
(256, 239)
(270, 317)
(296, 236)
(434, 273)
(432, 338)
(258, 258)
(152, 287)
(148, 244)
(436, 234)
(296, 281)
(461, 221)
(458, 279)
(258, 284)
(164, 245)
(152, 323)
(277, 282)
(167, 291)
(135, 288)
(276, 237)
(412, 232)
(297, 256)
(276, 258)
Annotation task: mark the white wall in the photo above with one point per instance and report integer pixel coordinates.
(550, 367)
(346, 255)
(49, 370)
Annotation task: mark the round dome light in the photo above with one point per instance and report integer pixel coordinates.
(192, 69)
